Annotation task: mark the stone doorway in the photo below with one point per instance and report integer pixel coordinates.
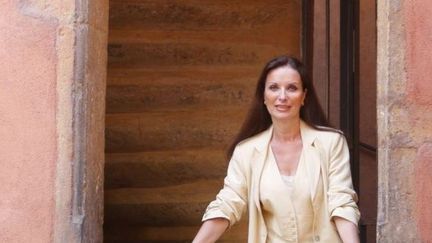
(179, 76)
(61, 80)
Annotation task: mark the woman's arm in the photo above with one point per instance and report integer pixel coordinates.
(229, 205)
(347, 230)
(211, 230)
(341, 195)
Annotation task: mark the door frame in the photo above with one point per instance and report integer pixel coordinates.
(80, 119)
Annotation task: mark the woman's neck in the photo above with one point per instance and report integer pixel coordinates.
(286, 131)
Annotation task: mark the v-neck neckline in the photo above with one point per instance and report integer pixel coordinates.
(273, 160)
(276, 163)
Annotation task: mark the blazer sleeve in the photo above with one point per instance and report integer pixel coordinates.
(342, 199)
(231, 201)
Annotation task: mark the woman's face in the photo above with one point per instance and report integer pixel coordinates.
(284, 94)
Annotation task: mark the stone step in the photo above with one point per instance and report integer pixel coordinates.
(137, 132)
(186, 54)
(198, 15)
(163, 214)
(182, 74)
(178, 205)
(179, 90)
(163, 168)
(238, 233)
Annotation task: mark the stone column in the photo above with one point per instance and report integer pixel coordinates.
(404, 121)
(52, 91)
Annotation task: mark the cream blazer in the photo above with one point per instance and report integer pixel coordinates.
(326, 155)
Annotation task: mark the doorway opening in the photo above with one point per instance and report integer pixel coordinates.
(179, 75)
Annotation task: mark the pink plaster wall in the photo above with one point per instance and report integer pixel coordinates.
(424, 191)
(419, 103)
(27, 125)
(419, 44)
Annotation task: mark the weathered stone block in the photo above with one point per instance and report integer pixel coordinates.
(201, 15)
(168, 130)
(180, 94)
(163, 168)
(182, 54)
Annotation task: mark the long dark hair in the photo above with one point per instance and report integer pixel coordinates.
(258, 118)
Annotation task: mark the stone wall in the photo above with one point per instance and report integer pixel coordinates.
(404, 121)
(52, 94)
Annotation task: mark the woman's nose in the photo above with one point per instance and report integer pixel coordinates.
(282, 95)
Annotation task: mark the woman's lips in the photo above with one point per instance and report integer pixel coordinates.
(283, 107)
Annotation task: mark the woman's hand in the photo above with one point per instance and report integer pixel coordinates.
(211, 230)
(347, 230)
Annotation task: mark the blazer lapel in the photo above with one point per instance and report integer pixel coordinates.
(258, 160)
(311, 157)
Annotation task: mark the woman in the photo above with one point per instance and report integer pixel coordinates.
(288, 169)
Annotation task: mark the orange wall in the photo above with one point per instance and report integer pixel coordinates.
(27, 124)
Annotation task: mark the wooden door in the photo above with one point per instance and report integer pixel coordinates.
(366, 126)
(358, 105)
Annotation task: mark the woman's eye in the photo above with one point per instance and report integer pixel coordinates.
(293, 88)
(273, 87)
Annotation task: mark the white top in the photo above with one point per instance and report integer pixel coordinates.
(289, 218)
(289, 181)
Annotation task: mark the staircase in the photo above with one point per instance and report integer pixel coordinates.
(181, 76)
